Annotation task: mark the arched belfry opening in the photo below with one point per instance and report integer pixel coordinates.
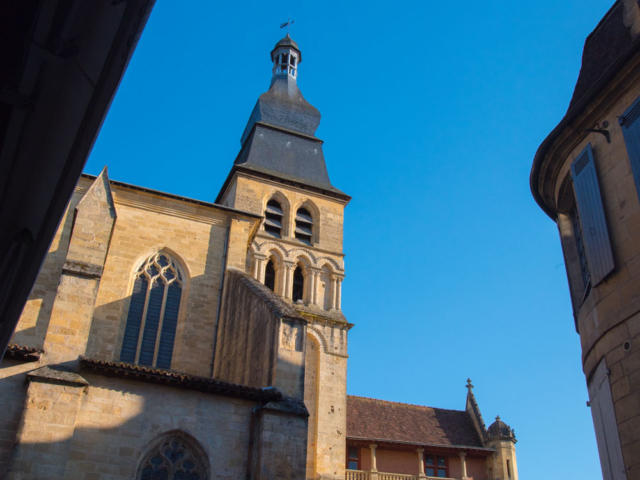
(270, 275)
(298, 284)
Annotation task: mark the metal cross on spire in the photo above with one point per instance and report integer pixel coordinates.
(287, 24)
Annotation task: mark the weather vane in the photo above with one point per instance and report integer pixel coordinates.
(287, 24)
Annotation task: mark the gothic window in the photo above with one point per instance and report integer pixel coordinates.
(273, 218)
(153, 313)
(173, 459)
(270, 275)
(304, 225)
(436, 466)
(298, 284)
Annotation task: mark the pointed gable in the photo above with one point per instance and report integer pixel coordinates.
(95, 216)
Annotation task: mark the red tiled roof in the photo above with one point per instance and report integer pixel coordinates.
(380, 420)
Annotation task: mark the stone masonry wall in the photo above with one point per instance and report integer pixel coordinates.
(102, 431)
(610, 315)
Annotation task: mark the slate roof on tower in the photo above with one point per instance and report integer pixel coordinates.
(279, 138)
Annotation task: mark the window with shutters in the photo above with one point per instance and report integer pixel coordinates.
(591, 219)
(606, 426)
(630, 123)
(304, 225)
(273, 216)
(152, 319)
(174, 457)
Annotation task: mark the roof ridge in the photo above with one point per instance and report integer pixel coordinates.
(405, 404)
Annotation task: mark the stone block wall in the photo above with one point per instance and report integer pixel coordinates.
(101, 431)
(609, 319)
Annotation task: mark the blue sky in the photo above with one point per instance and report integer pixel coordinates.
(432, 113)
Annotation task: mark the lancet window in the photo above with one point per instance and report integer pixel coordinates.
(270, 275)
(304, 225)
(273, 218)
(298, 284)
(153, 313)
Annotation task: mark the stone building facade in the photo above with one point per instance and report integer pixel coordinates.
(586, 177)
(168, 337)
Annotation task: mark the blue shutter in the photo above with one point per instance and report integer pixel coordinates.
(168, 333)
(148, 344)
(132, 329)
(630, 122)
(595, 235)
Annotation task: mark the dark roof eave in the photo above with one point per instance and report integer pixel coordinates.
(421, 444)
(22, 353)
(177, 197)
(574, 112)
(240, 168)
(179, 380)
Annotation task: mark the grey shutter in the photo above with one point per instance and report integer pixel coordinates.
(595, 235)
(630, 121)
(604, 421)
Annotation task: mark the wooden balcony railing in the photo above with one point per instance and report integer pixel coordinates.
(368, 475)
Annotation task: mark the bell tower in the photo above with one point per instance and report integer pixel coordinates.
(280, 173)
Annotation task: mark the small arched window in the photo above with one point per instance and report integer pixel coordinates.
(153, 313)
(304, 225)
(270, 276)
(273, 218)
(173, 459)
(298, 284)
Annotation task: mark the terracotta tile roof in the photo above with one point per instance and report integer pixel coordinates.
(180, 380)
(380, 420)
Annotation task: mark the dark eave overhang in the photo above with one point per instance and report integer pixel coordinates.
(179, 380)
(383, 441)
(22, 353)
(574, 112)
(280, 179)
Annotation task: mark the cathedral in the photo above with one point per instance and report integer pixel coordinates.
(173, 338)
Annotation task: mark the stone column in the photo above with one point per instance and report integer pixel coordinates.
(463, 464)
(314, 275)
(287, 290)
(338, 297)
(334, 291)
(421, 473)
(374, 464)
(259, 267)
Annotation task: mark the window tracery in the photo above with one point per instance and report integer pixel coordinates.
(173, 459)
(153, 313)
